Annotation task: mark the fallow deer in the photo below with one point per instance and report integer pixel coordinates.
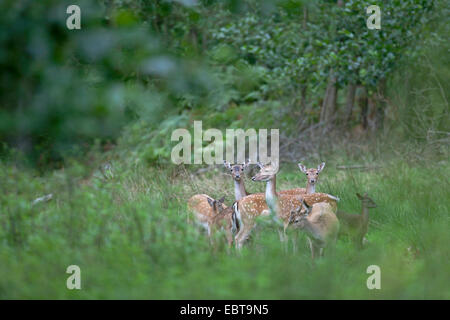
(320, 224)
(237, 172)
(205, 208)
(224, 219)
(277, 205)
(312, 175)
(213, 215)
(356, 225)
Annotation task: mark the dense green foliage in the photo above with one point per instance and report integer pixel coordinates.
(167, 63)
(130, 237)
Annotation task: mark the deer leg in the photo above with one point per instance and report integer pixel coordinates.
(229, 236)
(359, 241)
(243, 238)
(243, 234)
(365, 241)
(208, 228)
(321, 250)
(316, 251)
(312, 247)
(284, 237)
(294, 242)
(237, 238)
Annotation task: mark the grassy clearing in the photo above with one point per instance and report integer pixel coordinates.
(130, 236)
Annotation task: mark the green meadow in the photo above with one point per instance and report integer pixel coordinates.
(130, 236)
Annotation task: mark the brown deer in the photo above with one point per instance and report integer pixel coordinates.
(276, 205)
(224, 219)
(356, 225)
(213, 215)
(320, 224)
(312, 175)
(237, 172)
(205, 208)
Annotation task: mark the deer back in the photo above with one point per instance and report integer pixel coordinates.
(324, 220)
(200, 206)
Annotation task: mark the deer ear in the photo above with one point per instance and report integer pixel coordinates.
(359, 196)
(246, 163)
(226, 164)
(320, 167)
(221, 200)
(274, 165)
(211, 202)
(259, 164)
(302, 168)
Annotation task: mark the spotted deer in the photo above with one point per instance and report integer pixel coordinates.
(271, 203)
(225, 220)
(204, 208)
(237, 172)
(356, 225)
(312, 175)
(320, 224)
(213, 215)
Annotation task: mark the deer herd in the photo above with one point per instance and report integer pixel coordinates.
(304, 209)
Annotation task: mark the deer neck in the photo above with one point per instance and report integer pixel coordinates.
(271, 195)
(310, 188)
(311, 229)
(239, 189)
(364, 213)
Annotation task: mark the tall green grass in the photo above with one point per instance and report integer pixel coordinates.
(129, 235)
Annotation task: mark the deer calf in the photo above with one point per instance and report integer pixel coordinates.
(356, 225)
(213, 215)
(225, 219)
(312, 175)
(205, 208)
(237, 172)
(320, 224)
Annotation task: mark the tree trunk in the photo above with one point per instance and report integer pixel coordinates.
(329, 102)
(351, 90)
(381, 105)
(204, 42)
(362, 101)
(371, 113)
(303, 98)
(194, 39)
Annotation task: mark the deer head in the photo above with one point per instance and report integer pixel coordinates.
(236, 170)
(216, 205)
(312, 174)
(298, 216)
(266, 172)
(366, 200)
